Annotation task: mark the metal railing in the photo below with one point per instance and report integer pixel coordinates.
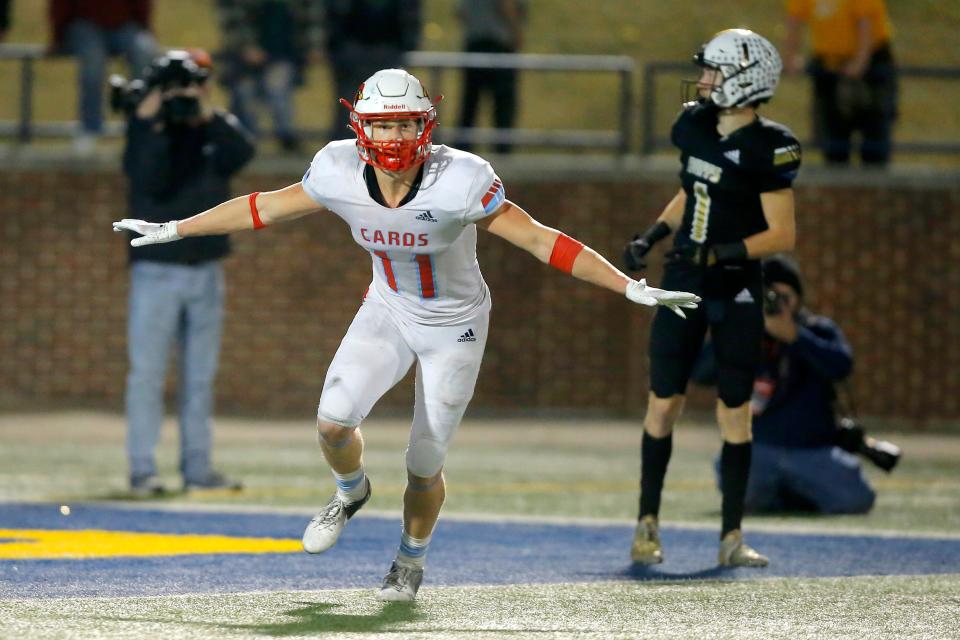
(25, 129)
(624, 66)
(27, 54)
(652, 71)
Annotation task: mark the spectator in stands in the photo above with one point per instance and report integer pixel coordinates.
(853, 71)
(491, 26)
(93, 30)
(181, 153)
(359, 43)
(803, 457)
(267, 45)
(4, 19)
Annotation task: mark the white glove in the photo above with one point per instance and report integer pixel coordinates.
(639, 292)
(152, 232)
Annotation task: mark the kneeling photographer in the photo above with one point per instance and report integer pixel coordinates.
(180, 155)
(804, 456)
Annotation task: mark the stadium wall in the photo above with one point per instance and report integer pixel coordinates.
(880, 253)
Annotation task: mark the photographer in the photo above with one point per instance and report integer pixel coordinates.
(180, 155)
(802, 457)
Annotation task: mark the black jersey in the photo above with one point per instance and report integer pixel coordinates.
(723, 177)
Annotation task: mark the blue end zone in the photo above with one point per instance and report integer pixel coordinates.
(462, 553)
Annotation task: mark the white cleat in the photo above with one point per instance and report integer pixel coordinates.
(325, 527)
(400, 584)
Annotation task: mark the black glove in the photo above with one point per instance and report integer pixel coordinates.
(637, 249)
(634, 253)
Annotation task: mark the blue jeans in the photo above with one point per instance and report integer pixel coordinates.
(274, 85)
(172, 303)
(823, 479)
(93, 45)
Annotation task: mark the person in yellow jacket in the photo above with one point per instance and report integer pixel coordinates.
(853, 71)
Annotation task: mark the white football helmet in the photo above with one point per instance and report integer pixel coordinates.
(392, 94)
(748, 63)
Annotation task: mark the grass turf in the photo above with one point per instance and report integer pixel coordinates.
(586, 469)
(904, 607)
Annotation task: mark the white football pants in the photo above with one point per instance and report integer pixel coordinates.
(375, 354)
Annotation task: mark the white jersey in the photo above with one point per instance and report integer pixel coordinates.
(424, 252)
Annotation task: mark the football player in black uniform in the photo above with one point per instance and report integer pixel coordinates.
(735, 207)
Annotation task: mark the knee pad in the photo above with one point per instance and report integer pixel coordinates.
(425, 457)
(734, 386)
(338, 406)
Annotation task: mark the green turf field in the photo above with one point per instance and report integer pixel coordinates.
(520, 468)
(901, 608)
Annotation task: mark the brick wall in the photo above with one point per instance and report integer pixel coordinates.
(880, 254)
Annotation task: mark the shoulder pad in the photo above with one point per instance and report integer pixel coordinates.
(771, 147)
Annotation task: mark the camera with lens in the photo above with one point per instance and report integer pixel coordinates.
(773, 302)
(126, 95)
(852, 437)
(176, 69)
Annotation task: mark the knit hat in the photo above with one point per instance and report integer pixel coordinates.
(780, 268)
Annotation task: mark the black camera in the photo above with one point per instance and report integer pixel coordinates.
(852, 437)
(125, 96)
(772, 302)
(173, 70)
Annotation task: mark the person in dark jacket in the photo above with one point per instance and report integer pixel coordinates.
(797, 463)
(266, 47)
(180, 155)
(359, 43)
(491, 26)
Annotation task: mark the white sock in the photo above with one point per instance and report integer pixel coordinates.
(412, 551)
(351, 486)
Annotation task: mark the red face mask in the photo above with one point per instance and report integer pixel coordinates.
(393, 155)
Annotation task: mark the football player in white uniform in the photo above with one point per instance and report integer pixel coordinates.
(415, 207)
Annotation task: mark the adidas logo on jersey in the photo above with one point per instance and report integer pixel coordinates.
(744, 296)
(469, 336)
(426, 216)
(733, 155)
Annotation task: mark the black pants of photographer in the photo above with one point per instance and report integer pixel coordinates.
(844, 105)
(819, 479)
(499, 84)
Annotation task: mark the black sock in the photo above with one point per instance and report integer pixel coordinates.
(734, 471)
(654, 457)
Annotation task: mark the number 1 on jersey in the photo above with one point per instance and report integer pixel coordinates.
(701, 213)
(426, 277)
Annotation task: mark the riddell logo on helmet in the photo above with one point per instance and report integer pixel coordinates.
(394, 106)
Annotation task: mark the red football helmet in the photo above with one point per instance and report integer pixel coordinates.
(392, 94)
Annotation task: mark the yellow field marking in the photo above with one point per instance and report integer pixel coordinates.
(37, 544)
